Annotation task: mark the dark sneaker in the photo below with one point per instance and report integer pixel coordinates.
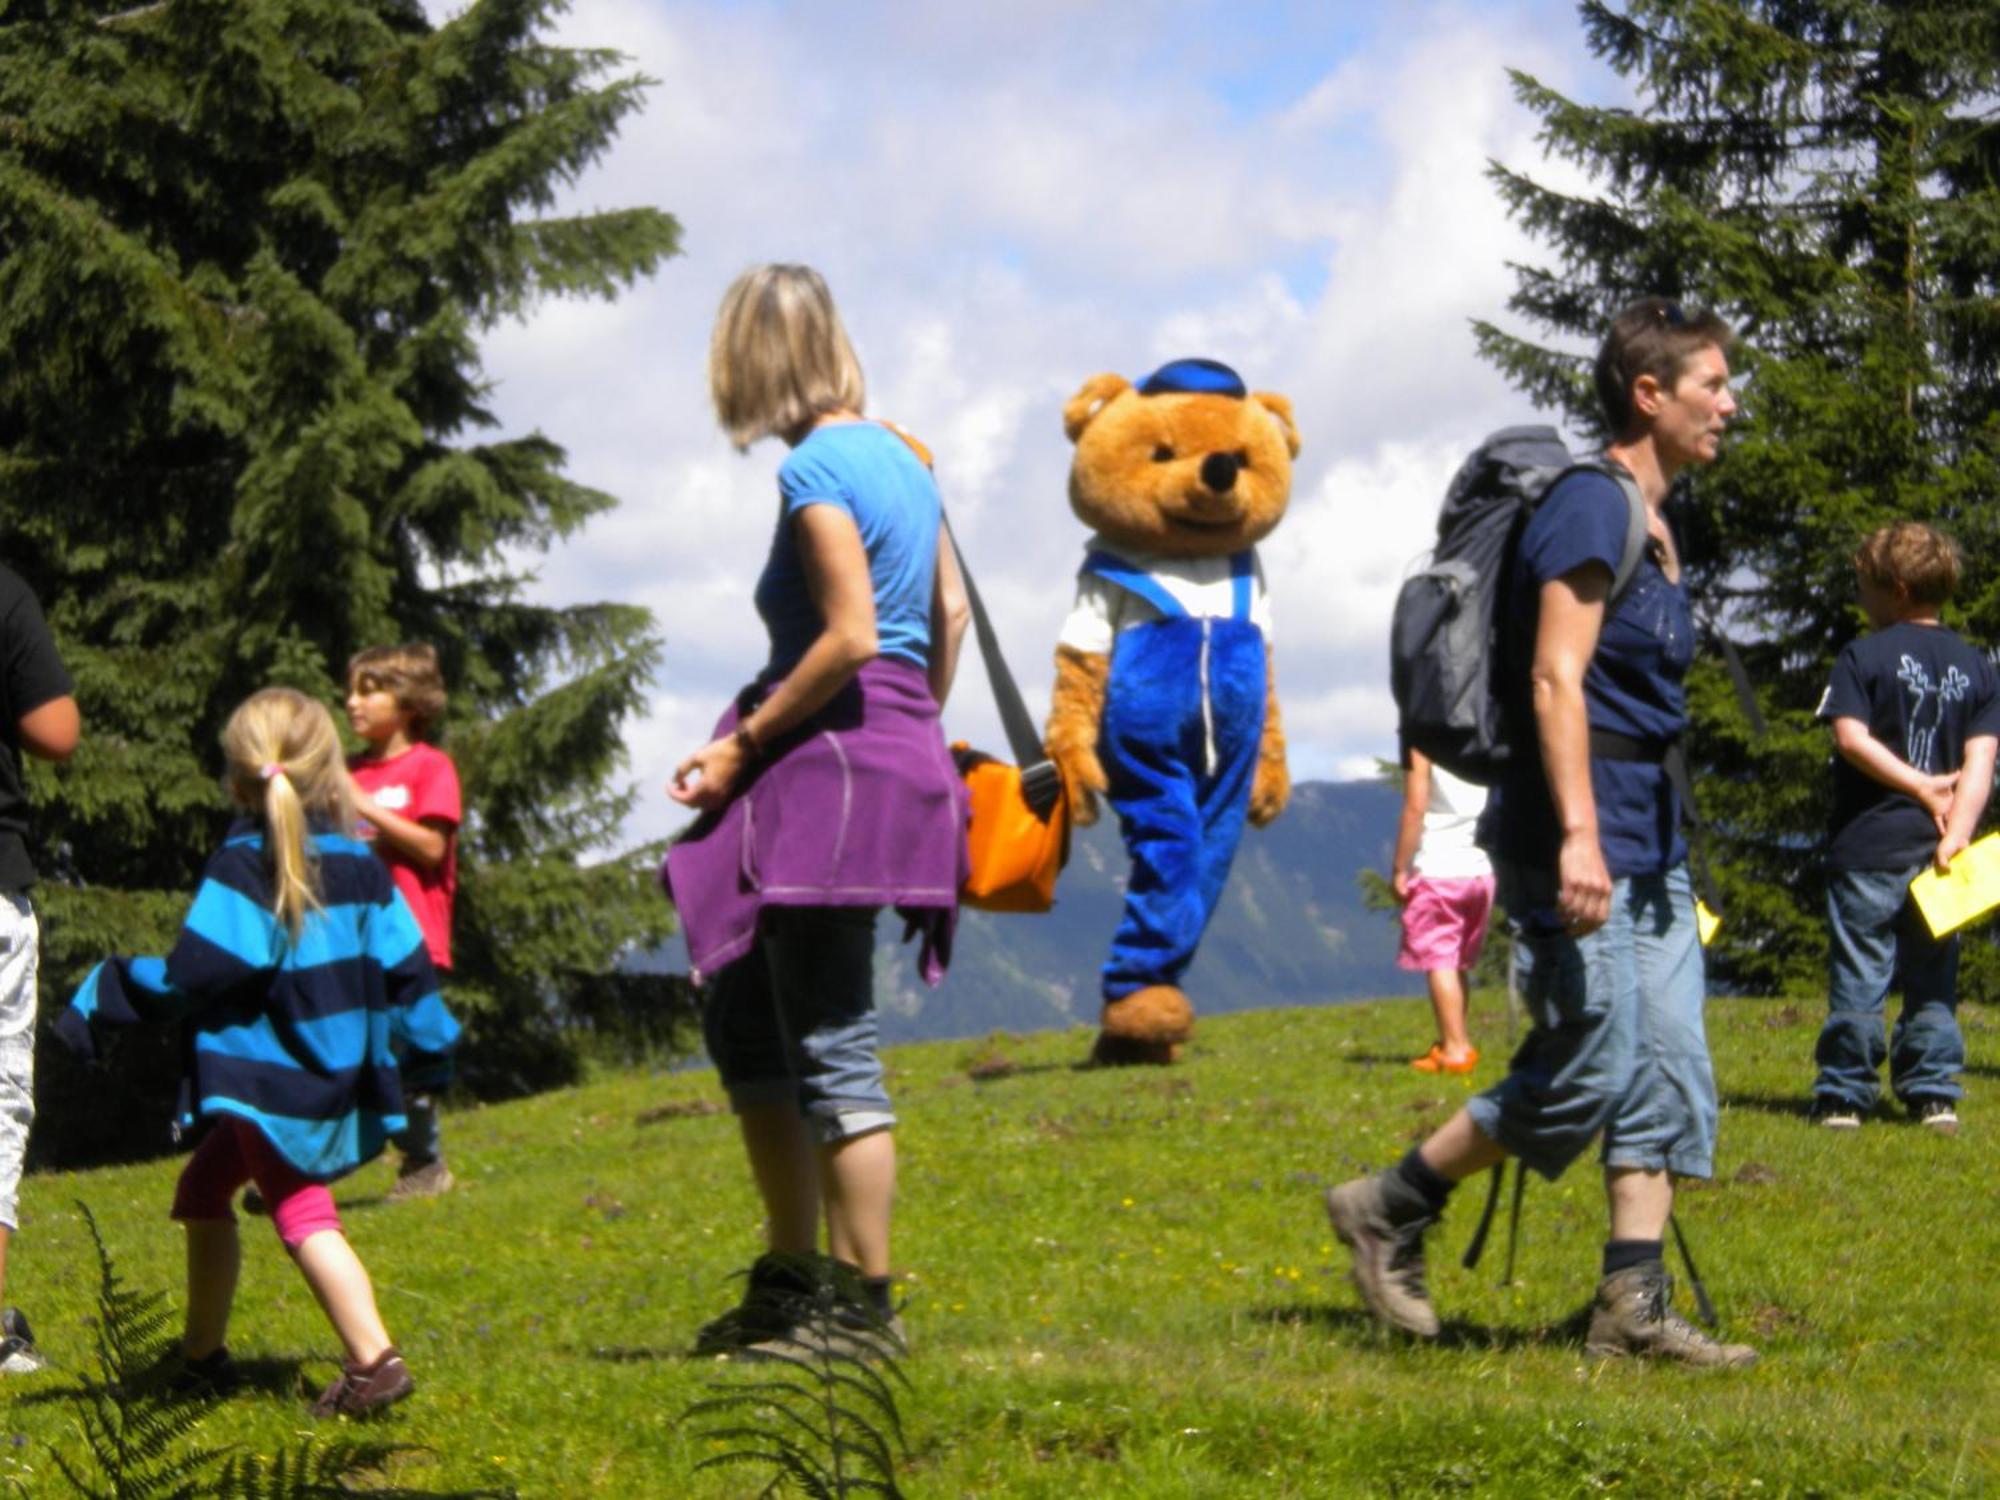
(364, 1390)
(1388, 1257)
(212, 1377)
(253, 1203)
(1633, 1315)
(1935, 1114)
(421, 1180)
(778, 1288)
(1831, 1116)
(18, 1354)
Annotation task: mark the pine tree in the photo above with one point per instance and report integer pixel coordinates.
(247, 248)
(1822, 172)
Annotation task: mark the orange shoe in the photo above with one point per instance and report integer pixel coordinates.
(1434, 1061)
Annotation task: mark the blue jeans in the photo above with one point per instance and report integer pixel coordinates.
(793, 1021)
(1875, 932)
(1618, 1044)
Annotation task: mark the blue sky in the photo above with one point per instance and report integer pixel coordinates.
(1006, 200)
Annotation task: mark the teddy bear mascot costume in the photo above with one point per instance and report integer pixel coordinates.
(1164, 697)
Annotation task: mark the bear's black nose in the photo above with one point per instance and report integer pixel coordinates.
(1218, 471)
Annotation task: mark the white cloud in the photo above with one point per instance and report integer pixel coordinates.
(1007, 200)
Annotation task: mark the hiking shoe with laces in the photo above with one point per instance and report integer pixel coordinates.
(1633, 1315)
(18, 1354)
(1829, 1116)
(421, 1180)
(777, 1289)
(364, 1390)
(1940, 1115)
(1388, 1257)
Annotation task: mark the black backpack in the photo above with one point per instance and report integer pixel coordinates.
(1452, 640)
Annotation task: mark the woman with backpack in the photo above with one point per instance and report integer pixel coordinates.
(1584, 826)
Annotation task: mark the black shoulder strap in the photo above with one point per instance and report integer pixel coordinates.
(1019, 728)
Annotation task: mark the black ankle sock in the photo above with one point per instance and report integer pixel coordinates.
(1414, 1189)
(880, 1290)
(1622, 1255)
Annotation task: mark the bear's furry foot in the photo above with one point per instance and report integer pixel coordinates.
(1147, 1026)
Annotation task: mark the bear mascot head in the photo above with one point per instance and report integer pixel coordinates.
(1164, 702)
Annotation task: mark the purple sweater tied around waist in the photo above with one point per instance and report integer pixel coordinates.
(858, 806)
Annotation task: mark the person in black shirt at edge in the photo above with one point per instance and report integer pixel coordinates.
(37, 714)
(1915, 714)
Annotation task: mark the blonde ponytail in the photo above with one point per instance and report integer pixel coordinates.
(285, 761)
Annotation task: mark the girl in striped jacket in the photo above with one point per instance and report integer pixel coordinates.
(297, 970)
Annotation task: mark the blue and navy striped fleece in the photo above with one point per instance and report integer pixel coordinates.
(297, 1038)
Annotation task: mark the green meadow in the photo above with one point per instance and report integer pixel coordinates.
(1122, 1284)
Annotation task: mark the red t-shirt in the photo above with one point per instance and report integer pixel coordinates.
(421, 784)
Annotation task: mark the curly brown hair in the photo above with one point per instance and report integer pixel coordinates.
(1917, 560)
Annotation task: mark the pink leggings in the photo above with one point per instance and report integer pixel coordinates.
(235, 1152)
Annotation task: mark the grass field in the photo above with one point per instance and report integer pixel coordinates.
(1122, 1284)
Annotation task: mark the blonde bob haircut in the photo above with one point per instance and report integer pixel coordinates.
(285, 763)
(779, 357)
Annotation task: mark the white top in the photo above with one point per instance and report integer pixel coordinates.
(1446, 850)
(1200, 585)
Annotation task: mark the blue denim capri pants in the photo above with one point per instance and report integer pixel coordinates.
(1617, 1044)
(792, 1021)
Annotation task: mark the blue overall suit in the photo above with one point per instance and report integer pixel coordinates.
(1183, 719)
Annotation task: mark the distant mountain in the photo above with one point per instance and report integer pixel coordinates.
(1291, 930)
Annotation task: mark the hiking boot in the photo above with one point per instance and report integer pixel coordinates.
(1633, 1315)
(426, 1179)
(776, 1292)
(1830, 1116)
(363, 1390)
(18, 1354)
(1388, 1257)
(1935, 1114)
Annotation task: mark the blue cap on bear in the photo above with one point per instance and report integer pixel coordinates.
(1201, 377)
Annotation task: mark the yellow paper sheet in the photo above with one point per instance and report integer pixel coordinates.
(1706, 923)
(1969, 890)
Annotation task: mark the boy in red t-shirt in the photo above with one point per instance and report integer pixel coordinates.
(406, 793)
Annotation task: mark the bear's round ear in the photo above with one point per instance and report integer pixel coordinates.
(1097, 393)
(1281, 408)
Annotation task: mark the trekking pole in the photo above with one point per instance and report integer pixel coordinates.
(1702, 1305)
(1477, 1245)
(1514, 1220)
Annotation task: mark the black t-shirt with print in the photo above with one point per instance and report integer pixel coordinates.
(1922, 692)
(31, 674)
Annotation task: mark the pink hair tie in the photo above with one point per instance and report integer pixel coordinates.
(272, 771)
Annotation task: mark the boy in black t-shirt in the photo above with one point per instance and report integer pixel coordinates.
(38, 715)
(1916, 716)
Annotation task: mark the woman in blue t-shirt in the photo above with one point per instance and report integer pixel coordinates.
(826, 794)
(1593, 872)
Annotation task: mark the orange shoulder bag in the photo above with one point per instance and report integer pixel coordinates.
(1019, 834)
